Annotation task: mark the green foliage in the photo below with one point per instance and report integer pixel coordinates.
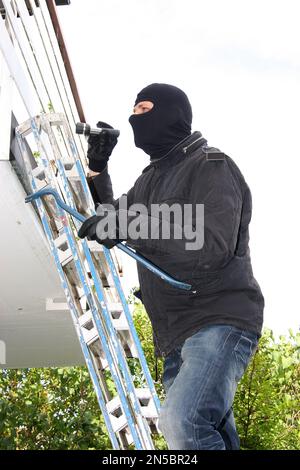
(36, 155)
(267, 403)
(51, 408)
(56, 408)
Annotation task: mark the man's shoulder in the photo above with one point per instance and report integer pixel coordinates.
(206, 154)
(143, 177)
(213, 160)
(213, 154)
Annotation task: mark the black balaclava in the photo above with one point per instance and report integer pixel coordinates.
(166, 124)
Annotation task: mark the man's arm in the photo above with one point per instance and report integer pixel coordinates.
(100, 147)
(101, 187)
(102, 190)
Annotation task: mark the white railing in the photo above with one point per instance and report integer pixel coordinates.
(32, 54)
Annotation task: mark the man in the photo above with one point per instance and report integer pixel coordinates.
(206, 335)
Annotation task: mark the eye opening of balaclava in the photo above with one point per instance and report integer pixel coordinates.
(169, 121)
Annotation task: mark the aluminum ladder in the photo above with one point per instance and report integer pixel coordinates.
(90, 280)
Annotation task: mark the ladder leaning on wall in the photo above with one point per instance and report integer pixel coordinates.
(91, 283)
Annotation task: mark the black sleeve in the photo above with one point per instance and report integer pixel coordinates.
(101, 188)
(102, 191)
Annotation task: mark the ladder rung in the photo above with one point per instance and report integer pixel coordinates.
(147, 405)
(65, 256)
(148, 409)
(95, 246)
(81, 199)
(83, 302)
(38, 173)
(121, 324)
(85, 318)
(118, 418)
(118, 422)
(68, 164)
(113, 405)
(90, 336)
(115, 306)
(119, 318)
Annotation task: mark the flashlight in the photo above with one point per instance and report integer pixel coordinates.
(86, 129)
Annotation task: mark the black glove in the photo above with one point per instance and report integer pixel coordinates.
(88, 229)
(100, 147)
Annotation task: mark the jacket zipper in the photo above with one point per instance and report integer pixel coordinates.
(188, 146)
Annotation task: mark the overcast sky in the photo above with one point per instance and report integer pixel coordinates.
(239, 63)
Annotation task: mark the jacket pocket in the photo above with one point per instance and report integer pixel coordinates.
(206, 282)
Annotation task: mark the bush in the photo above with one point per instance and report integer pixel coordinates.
(267, 403)
(56, 408)
(53, 408)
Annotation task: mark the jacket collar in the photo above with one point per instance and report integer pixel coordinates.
(181, 150)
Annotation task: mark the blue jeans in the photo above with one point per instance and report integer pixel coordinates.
(200, 379)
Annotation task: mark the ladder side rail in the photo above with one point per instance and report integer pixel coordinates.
(70, 302)
(109, 341)
(112, 334)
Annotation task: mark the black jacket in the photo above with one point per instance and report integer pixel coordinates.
(224, 290)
